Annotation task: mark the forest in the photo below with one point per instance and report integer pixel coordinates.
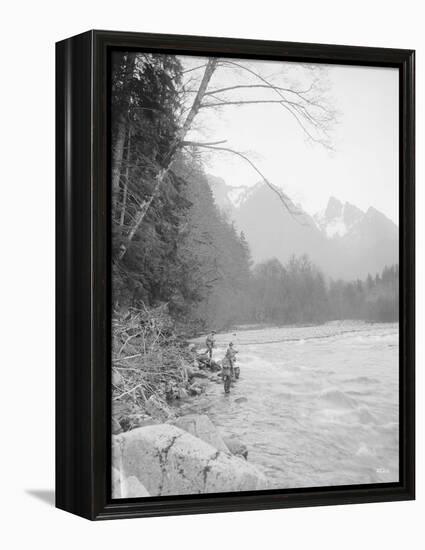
(298, 293)
(172, 247)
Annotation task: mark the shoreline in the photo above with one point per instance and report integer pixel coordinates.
(183, 430)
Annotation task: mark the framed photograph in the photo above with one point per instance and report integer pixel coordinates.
(235, 275)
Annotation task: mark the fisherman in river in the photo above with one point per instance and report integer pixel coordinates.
(231, 357)
(226, 374)
(210, 343)
(229, 372)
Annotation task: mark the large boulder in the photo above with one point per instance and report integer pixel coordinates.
(169, 461)
(132, 488)
(123, 487)
(201, 426)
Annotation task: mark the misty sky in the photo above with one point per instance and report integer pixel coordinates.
(362, 169)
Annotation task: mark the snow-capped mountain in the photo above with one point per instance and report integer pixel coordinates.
(338, 219)
(343, 241)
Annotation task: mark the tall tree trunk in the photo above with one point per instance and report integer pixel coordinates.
(117, 161)
(118, 152)
(144, 207)
(127, 173)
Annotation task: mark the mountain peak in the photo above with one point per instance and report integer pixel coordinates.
(338, 218)
(352, 214)
(333, 209)
(344, 241)
(229, 197)
(379, 221)
(372, 212)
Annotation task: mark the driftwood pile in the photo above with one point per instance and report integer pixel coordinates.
(151, 367)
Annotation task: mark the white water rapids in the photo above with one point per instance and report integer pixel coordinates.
(316, 405)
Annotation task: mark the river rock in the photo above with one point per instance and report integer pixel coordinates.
(201, 426)
(236, 447)
(117, 379)
(175, 391)
(169, 461)
(240, 400)
(203, 357)
(139, 420)
(195, 389)
(215, 366)
(156, 408)
(182, 394)
(199, 374)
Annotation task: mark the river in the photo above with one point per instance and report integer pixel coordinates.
(315, 405)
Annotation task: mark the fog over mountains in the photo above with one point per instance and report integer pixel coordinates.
(343, 241)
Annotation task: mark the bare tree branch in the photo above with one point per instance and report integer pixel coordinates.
(200, 144)
(299, 93)
(268, 86)
(194, 68)
(286, 201)
(241, 102)
(128, 391)
(285, 103)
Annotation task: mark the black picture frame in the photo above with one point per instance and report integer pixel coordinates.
(83, 279)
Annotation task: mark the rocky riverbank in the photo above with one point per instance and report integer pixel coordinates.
(157, 448)
(166, 402)
(152, 368)
(185, 456)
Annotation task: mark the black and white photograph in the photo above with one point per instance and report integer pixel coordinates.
(212, 236)
(254, 249)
